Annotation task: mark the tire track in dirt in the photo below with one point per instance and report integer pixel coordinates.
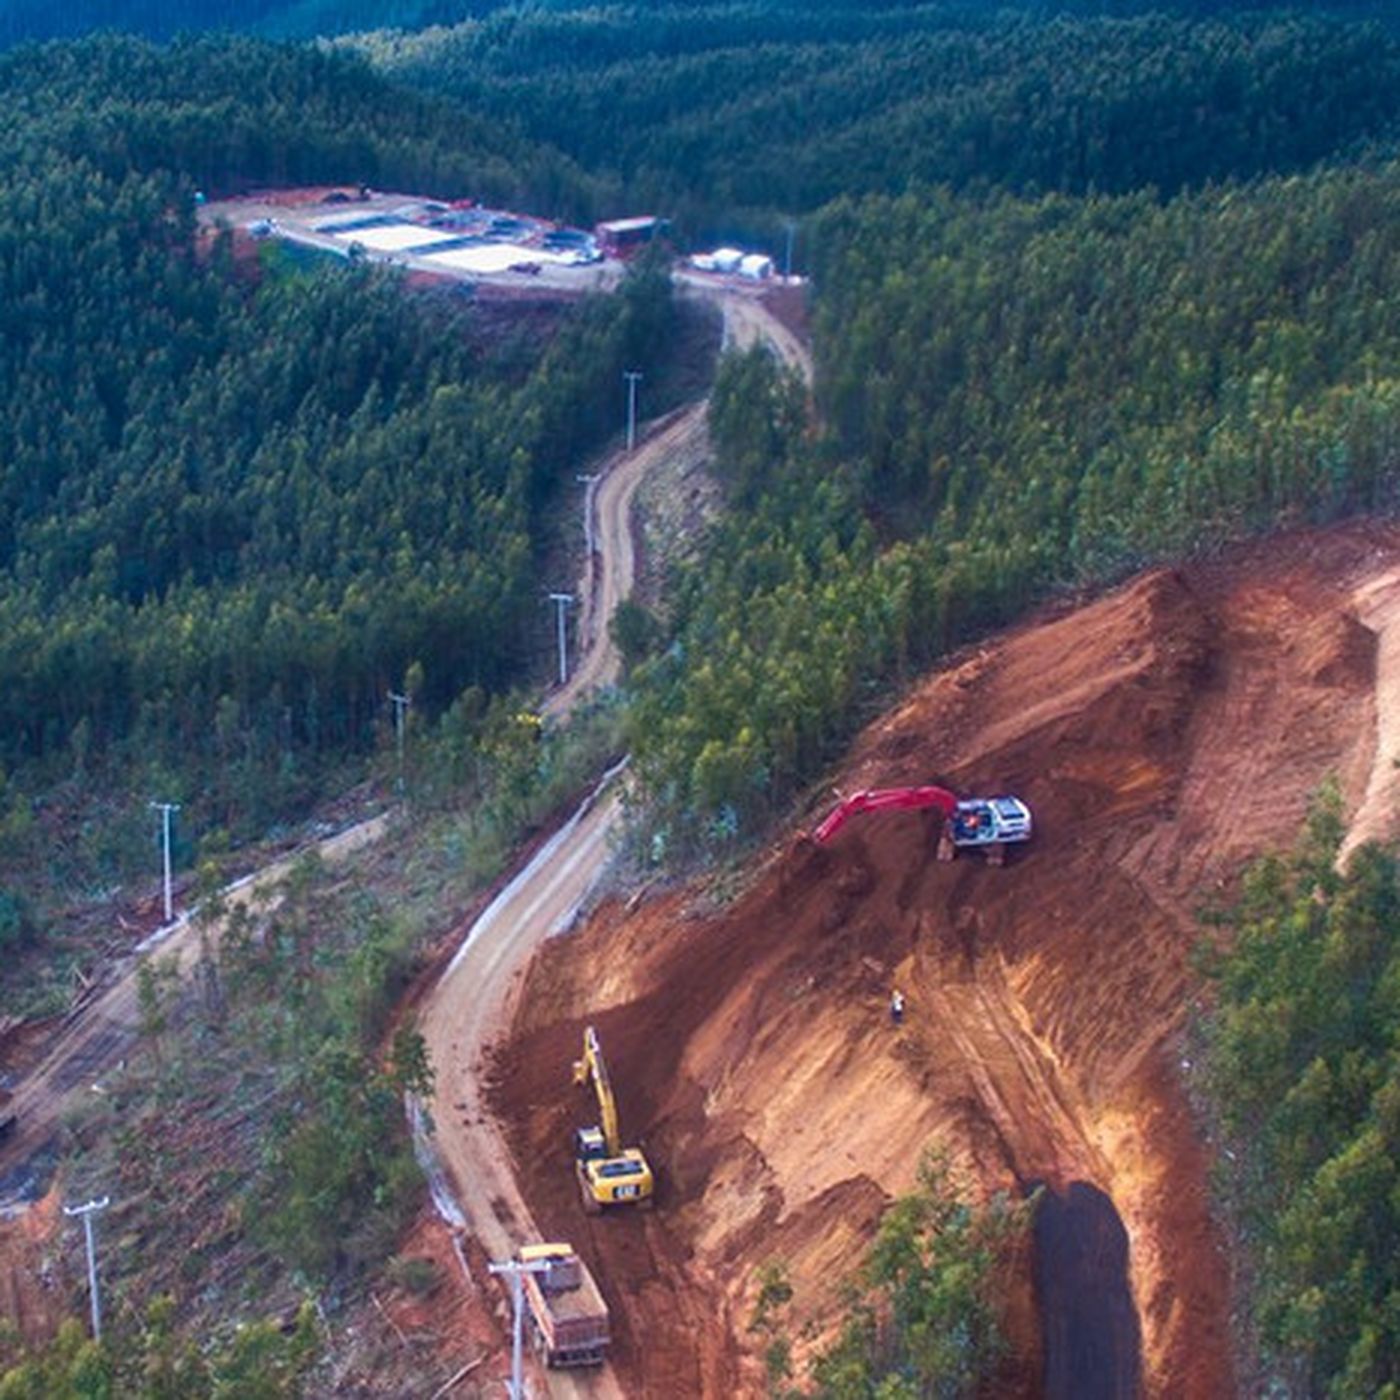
(1016, 1078)
(1377, 602)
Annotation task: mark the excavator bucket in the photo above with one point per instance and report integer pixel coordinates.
(803, 862)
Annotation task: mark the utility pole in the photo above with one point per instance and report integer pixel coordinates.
(87, 1213)
(515, 1268)
(588, 482)
(787, 261)
(562, 602)
(166, 809)
(632, 376)
(400, 704)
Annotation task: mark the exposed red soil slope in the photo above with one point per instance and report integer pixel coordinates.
(34, 1278)
(1163, 735)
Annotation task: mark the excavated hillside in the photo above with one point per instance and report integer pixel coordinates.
(1163, 735)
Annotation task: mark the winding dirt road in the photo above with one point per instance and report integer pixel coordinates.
(748, 321)
(100, 1031)
(610, 572)
(472, 1004)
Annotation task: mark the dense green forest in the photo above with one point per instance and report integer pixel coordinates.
(305, 19)
(221, 115)
(162, 19)
(1016, 396)
(1304, 1066)
(730, 116)
(239, 502)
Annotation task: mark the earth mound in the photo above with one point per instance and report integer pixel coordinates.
(1163, 735)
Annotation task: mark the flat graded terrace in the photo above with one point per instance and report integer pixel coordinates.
(461, 240)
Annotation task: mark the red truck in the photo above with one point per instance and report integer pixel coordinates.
(568, 1315)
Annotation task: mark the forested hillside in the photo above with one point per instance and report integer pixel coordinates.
(305, 19)
(732, 115)
(161, 19)
(729, 115)
(1092, 285)
(1302, 1054)
(227, 114)
(238, 505)
(1017, 396)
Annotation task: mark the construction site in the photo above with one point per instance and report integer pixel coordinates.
(980, 942)
(1162, 735)
(462, 241)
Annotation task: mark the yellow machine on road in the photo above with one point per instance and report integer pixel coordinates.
(608, 1174)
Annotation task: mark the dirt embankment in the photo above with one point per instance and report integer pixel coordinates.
(1163, 735)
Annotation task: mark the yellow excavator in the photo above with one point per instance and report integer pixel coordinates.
(608, 1174)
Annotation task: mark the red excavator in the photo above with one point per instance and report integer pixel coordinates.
(990, 824)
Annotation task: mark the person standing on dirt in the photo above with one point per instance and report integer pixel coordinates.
(896, 1007)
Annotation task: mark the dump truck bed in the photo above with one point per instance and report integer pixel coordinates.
(572, 1323)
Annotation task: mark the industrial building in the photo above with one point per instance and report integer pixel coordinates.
(457, 239)
(620, 237)
(734, 262)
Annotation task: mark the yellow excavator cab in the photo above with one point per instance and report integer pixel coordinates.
(608, 1173)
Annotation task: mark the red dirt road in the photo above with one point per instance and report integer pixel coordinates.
(472, 1003)
(1163, 735)
(610, 573)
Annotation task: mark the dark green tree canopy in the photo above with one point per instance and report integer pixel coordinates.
(1304, 1066)
(241, 497)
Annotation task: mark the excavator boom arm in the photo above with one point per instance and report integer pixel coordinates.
(595, 1067)
(877, 799)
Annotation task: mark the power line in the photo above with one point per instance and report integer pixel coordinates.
(166, 809)
(562, 601)
(87, 1212)
(514, 1268)
(400, 704)
(633, 377)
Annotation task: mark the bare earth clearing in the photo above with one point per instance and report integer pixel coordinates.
(1163, 735)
